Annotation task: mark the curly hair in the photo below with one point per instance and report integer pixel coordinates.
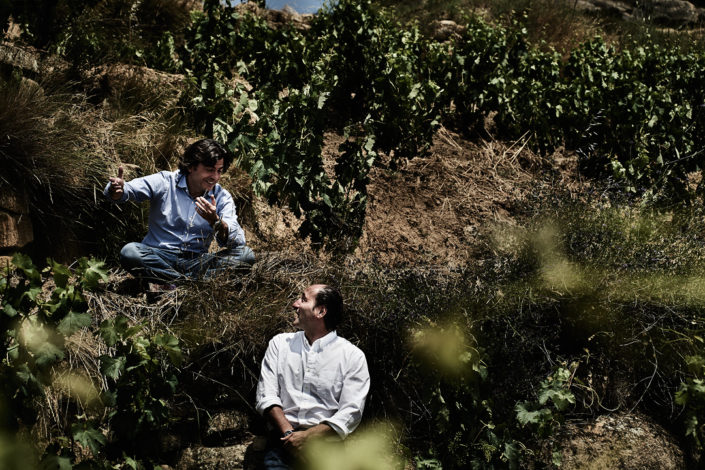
(207, 152)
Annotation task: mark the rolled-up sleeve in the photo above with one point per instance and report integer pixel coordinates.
(356, 385)
(226, 210)
(268, 385)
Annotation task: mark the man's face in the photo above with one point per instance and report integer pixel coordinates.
(202, 178)
(305, 307)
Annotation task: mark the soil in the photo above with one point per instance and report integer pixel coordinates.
(434, 209)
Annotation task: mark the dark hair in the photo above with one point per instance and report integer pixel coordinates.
(206, 151)
(331, 299)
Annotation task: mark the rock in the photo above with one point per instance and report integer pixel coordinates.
(673, 12)
(586, 6)
(169, 443)
(624, 441)
(609, 7)
(442, 30)
(15, 230)
(30, 59)
(215, 458)
(15, 225)
(224, 426)
(13, 30)
(12, 200)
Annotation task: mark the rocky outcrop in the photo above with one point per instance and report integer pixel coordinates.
(226, 427)
(30, 60)
(442, 30)
(15, 224)
(215, 458)
(227, 445)
(672, 13)
(609, 7)
(624, 441)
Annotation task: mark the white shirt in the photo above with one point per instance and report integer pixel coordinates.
(325, 382)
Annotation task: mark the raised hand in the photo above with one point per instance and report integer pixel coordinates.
(117, 185)
(206, 209)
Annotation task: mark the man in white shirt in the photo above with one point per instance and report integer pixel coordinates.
(313, 383)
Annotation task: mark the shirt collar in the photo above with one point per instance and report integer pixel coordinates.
(320, 343)
(326, 340)
(181, 180)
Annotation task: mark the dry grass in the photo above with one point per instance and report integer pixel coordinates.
(61, 149)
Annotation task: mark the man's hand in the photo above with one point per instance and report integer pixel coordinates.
(116, 185)
(294, 442)
(206, 209)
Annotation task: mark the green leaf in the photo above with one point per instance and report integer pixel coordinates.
(171, 345)
(47, 354)
(691, 426)
(696, 364)
(9, 310)
(32, 293)
(24, 263)
(27, 377)
(56, 462)
(109, 398)
(73, 322)
(132, 463)
(88, 437)
(526, 416)
(61, 274)
(109, 333)
(42, 342)
(112, 367)
(559, 396)
(322, 99)
(93, 273)
(326, 200)
(511, 454)
(115, 330)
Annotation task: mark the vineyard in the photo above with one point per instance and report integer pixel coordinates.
(556, 277)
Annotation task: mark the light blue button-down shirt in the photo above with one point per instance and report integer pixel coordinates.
(173, 221)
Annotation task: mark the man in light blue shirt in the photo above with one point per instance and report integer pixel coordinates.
(187, 209)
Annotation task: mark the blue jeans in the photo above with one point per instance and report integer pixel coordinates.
(162, 265)
(276, 458)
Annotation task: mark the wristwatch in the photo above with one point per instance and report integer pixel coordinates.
(287, 433)
(217, 224)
